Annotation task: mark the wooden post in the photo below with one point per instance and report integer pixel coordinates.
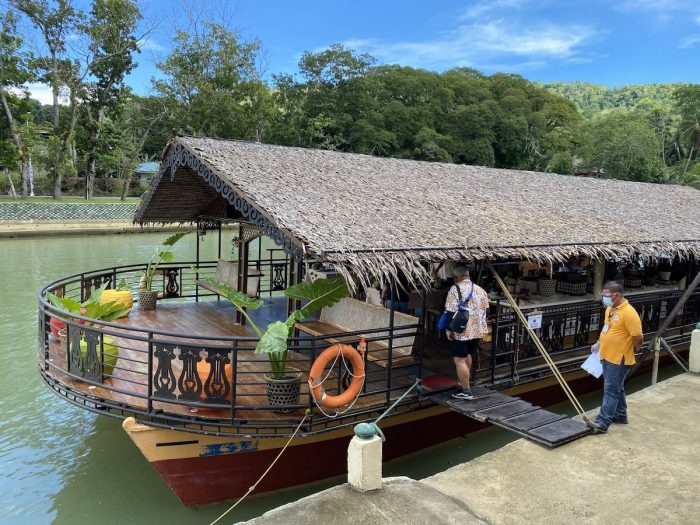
(598, 278)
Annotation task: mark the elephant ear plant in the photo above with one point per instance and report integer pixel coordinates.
(273, 341)
(96, 310)
(91, 307)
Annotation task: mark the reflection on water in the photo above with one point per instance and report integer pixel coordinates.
(64, 465)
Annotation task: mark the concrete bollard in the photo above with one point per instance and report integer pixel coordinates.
(694, 357)
(365, 463)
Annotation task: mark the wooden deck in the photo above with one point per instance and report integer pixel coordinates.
(128, 384)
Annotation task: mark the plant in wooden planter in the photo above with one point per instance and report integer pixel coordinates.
(283, 385)
(148, 296)
(95, 309)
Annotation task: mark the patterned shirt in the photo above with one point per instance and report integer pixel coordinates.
(477, 306)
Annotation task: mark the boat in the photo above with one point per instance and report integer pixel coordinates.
(187, 381)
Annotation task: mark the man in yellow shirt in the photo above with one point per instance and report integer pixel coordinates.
(620, 338)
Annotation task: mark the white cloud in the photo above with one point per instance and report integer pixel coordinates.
(148, 44)
(663, 10)
(689, 42)
(489, 6)
(652, 5)
(471, 44)
(40, 92)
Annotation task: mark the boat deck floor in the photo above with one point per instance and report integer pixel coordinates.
(516, 415)
(128, 385)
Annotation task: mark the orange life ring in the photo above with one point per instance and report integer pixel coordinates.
(317, 369)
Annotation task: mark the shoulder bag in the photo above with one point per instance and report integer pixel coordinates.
(459, 321)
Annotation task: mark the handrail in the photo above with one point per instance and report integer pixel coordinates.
(155, 365)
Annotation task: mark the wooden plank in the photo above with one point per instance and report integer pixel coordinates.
(377, 351)
(560, 432)
(505, 411)
(530, 420)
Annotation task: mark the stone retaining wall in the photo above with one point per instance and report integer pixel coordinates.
(66, 211)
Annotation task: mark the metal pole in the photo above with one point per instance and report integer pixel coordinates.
(655, 366)
(392, 292)
(670, 317)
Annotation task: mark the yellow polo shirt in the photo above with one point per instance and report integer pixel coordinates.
(623, 323)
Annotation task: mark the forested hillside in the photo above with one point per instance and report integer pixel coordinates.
(591, 99)
(211, 84)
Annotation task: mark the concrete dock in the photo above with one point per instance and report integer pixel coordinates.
(645, 472)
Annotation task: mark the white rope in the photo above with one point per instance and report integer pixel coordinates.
(330, 370)
(552, 365)
(307, 413)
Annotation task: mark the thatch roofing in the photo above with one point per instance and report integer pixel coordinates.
(374, 216)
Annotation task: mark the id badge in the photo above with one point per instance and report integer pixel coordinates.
(605, 329)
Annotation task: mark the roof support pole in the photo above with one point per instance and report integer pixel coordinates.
(598, 278)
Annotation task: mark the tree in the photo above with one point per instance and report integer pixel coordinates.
(111, 30)
(334, 65)
(626, 147)
(14, 73)
(55, 24)
(212, 84)
(687, 103)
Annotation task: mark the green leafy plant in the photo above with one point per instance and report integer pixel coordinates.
(91, 307)
(273, 341)
(163, 254)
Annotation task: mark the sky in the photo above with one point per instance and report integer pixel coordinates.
(608, 42)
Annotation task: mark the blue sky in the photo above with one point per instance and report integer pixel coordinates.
(601, 41)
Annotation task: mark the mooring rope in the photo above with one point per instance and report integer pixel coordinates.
(540, 346)
(307, 413)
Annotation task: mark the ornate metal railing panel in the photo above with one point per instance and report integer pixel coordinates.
(568, 331)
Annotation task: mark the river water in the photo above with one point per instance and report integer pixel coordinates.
(64, 465)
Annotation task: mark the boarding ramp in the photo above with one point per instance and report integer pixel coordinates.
(517, 415)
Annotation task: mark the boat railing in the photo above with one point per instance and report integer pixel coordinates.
(568, 331)
(206, 383)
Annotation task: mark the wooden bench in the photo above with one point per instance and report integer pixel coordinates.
(351, 315)
(227, 273)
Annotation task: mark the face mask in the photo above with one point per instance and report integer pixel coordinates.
(607, 301)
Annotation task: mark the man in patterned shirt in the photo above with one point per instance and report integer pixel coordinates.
(465, 345)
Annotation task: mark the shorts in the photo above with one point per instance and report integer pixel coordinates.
(465, 348)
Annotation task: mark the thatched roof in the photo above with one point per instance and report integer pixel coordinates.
(374, 216)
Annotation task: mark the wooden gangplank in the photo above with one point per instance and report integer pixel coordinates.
(516, 415)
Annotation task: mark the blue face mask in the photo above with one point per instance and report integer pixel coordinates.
(607, 301)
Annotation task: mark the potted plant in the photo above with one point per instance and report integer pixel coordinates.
(283, 385)
(148, 296)
(95, 309)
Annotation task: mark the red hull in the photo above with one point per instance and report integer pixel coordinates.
(209, 479)
(215, 478)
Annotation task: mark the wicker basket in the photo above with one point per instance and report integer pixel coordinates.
(281, 393)
(547, 287)
(147, 299)
(571, 288)
(633, 282)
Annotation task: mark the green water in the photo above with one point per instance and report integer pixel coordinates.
(64, 465)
